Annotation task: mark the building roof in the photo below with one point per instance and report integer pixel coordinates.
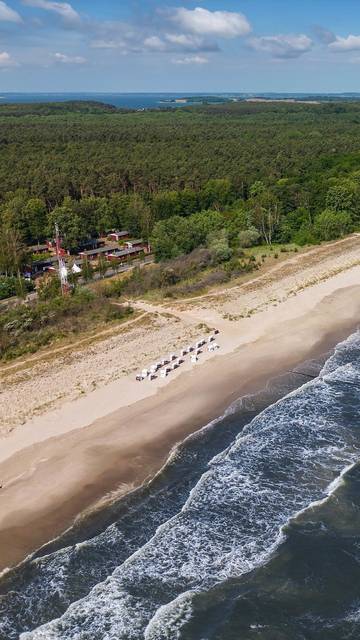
(98, 251)
(140, 241)
(121, 234)
(119, 253)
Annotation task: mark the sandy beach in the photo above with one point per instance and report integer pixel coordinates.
(60, 457)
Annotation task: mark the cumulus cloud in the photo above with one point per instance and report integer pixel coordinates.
(6, 60)
(351, 43)
(283, 46)
(7, 14)
(63, 58)
(63, 9)
(188, 42)
(190, 60)
(154, 43)
(224, 24)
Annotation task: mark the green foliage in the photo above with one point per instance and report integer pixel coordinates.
(177, 236)
(91, 168)
(87, 271)
(330, 225)
(9, 286)
(27, 328)
(48, 287)
(70, 224)
(56, 108)
(218, 243)
(102, 266)
(249, 237)
(12, 250)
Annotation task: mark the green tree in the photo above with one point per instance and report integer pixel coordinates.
(343, 195)
(216, 193)
(12, 253)
(102, 266)
(36, 215)
(87, 270)
(330, 225)
(165, 204)
(70, 224)
(265, 212)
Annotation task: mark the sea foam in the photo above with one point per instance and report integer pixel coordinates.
(288, 458)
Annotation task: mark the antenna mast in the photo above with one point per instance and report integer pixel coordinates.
(61, 262)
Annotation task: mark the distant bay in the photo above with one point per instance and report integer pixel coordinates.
(161, 100)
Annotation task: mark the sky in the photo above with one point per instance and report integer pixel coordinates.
(179, 46)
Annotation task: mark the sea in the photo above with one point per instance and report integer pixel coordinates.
(250, 531)
(140, 101)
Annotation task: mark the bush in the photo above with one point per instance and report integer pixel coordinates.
(26, 328)
(249, 237)
(330, 224)
(48, 287)
(218, 243)
(304, 236)
(10, 286)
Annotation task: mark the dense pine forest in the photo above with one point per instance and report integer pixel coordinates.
(271, 171)
(204, 184)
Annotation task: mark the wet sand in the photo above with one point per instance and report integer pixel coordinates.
(49, 482)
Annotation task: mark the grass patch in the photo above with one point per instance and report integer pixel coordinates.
(27, 328)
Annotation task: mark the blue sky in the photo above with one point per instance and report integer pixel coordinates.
(159, 45)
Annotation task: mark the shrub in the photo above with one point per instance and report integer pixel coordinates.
(10, 285)
(218, 243)
(249, 237)
(330, 225)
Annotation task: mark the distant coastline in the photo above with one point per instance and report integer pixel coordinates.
(142, 101)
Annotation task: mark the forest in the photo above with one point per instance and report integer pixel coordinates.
(236, 174)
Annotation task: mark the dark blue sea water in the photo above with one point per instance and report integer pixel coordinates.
(152, 100)
(250, 532)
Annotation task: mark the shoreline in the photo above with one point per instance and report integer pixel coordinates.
(66, 467)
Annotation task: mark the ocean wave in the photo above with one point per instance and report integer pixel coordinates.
(286, 460)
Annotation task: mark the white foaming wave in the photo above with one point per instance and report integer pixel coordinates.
(232, 521)
(344, 351)
(170, 619)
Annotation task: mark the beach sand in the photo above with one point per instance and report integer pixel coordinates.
(59, 464)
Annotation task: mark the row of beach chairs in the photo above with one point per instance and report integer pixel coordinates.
(166, 365)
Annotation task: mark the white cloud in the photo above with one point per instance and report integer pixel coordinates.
(63, 9)
(191, 60)
(225, 24)
(7, 14)
(185, 41)
(6, 60)
(351, 43)
(282, 46)
(154, 43)
(65, 59)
